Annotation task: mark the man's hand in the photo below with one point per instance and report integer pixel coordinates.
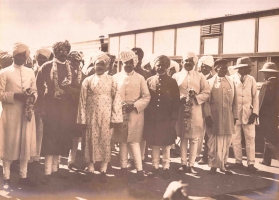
(130, 108)
(183, 100)
(252, 118)
(208, 121)
(20, 97)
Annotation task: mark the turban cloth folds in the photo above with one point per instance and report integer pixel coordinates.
(43, 51)
(191, 55)
(207, 60)
(128, 55)
(99, 56)
(164, 59)
(5, 59)
(59, 45)
(75, 55)
(19, 48)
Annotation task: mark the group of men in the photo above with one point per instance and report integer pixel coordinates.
(46, 111)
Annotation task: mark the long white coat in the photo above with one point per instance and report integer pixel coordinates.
(247, 97)
(17, 134)
(133, 90)
(198, 82)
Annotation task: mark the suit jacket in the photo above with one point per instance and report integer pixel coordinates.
(161, 111)
(247, 97)
(269, 110)
(224, 111)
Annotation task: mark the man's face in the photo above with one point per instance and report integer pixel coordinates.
(100, 67)
(188, 64)
(74, 63)
(244, 70)
(20, 58)
(41, 59)
(222, 70)
(205, 69)
(129, 66)
(267, 75)
(160, 67)
(62, 54)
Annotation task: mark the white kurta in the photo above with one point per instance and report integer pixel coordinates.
(133, 90)
(198, 82)
(17, 134)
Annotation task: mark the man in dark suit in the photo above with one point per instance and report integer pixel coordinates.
(269, 110)
(205, 65)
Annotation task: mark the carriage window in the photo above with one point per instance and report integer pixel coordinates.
(211, 45)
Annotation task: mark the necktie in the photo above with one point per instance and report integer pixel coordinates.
(242, 78)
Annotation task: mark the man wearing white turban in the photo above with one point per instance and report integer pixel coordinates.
(42, 56)
(205, 65)
(17, 125)
(194, 91)
(99, 110)
(135, 96)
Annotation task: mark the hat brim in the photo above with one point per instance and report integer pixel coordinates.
(269, 70)
(240, 66)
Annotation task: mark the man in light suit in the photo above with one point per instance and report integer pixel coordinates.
(248, 110)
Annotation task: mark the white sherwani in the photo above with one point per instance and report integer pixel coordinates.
(17, 134)
(248, 103)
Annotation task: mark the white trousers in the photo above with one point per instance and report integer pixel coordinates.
(193, 142)
(51, 164)
(73, 151)
(22, 169)
(135, 151)
(249, 134)
(142, 150)
(39, 136)
(156, 156)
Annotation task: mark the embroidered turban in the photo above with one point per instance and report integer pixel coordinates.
(207, 60)
(5, 59)
(164, 59)
(128, 55)
(191, 55)
(75, 55)
(19, 48)
(59, 45)
(43, 51)
(139, 52)
(99, 56)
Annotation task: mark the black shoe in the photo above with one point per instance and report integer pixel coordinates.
(166, 174)
(72, 166)
(252, 169)
(182, 169)
(202, 162)
(153, 173)
(88, 177)
(213, 171)
(59, 174)
(123, 172)
(6, 184)
(103, 177)
(265, 163)
(46, 179)
(140, 175)
(238, 166)
(191, 170)
(131, 164)
(27, 182)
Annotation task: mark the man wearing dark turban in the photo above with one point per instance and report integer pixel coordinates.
(5, 59)
(54, 100)
(161, 115)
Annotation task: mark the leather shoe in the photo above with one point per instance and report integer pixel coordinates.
(140, 175)
(191, 170)
(153, 173)
(252, 169)
(103, 177)
(238, 165)
(182, 169)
